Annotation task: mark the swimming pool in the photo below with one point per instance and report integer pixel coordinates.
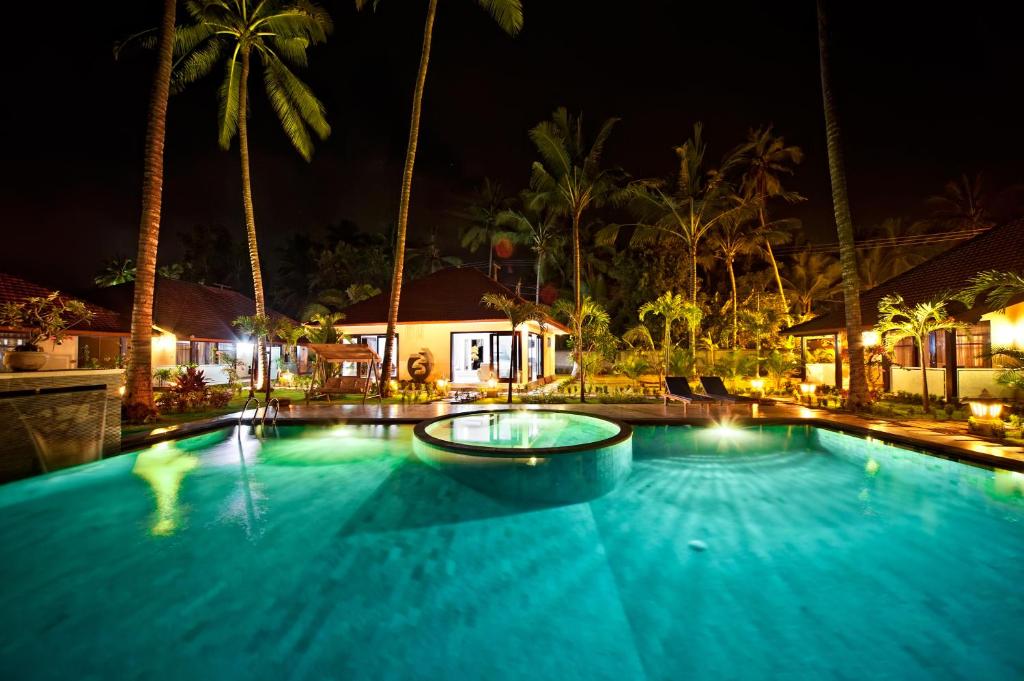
(330, 552)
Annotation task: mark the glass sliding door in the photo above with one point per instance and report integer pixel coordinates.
(501, 352)
(471, 357)
(535, 358)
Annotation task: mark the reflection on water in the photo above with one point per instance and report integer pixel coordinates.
(164, 467)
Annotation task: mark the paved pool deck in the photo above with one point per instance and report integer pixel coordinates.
(957, 446)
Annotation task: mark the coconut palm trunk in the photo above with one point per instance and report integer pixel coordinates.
(139, 388)
(250, 217)
(536, 292)
(735, 303)
(926, 360)
(577, 262)
(771, 256)
(403, 203)
(844, 225)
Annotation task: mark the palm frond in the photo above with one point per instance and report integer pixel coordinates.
(284, 106)
(551, 145)
(507, 13)
(227, 101)
(197, 63)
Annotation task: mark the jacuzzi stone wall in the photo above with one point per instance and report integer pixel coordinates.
(54, 419)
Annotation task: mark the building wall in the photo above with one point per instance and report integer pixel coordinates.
(436, 337)
(1007, 326)
(908, 379)
(63, 356)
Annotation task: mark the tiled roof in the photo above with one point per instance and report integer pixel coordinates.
(15, 289)
(1000, 248)
(449, 295)
(186, 309)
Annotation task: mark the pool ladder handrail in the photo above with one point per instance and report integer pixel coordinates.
(273, 402)
(241, 415)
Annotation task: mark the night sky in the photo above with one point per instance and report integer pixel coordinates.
(925, 93)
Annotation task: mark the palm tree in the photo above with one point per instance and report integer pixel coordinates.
(519, 312)
(139, 380)
(844, 224)
(728, 242)
(767, 158)
(813, 277)
(429, 258)
(1000, 289)
(569, 180)
(588, 319)
(882, 262)
(670, 307)
(278, 32)
(116, 271)
(697, 202)
(963, 204)
(538, 230)
(897, 320)
(483, 214)
(509, 16)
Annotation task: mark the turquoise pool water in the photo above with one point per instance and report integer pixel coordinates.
(332, 553)
(523, 429)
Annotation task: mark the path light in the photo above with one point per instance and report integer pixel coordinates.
(985, 406)
(442, 384)
(808, 390)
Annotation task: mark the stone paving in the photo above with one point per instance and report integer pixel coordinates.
(952, 445)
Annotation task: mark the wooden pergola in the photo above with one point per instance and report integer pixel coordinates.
(356, 353)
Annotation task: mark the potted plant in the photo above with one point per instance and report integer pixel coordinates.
(44, 317)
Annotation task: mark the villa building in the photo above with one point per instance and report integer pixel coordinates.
(192, 324)
(961, 364)
(445, 332)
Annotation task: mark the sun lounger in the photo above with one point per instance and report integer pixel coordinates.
(714, 387)
(679, 391)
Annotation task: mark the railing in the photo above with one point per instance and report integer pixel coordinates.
(241, 415)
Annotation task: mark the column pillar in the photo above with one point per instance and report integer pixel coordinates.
(952, 389)
(839, 361)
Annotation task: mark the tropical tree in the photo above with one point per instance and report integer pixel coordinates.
(882, 260)
(538, 230)
(484, 230)
(508, 14)
(729, 241)
(258, 328)
(278, 33)
(588, 323)
(897, 320)
(322, 327)
(688, 208)
(569, 180)
(115, 272)
(812, 277)
(963, 204)
(766, 159)
(138, 396)
(519, 312)
(999, 289)
(670, 307)
(844, 223)
(428, 257)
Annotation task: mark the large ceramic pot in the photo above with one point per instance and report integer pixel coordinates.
(24, 359)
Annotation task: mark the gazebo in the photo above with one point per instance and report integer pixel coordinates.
(339, 353)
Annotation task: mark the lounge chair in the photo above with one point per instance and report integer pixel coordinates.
(679, 391)
(714, 387)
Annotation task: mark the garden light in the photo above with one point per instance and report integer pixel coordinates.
(869, 339)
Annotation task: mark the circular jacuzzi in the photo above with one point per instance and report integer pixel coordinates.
(529, 455)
